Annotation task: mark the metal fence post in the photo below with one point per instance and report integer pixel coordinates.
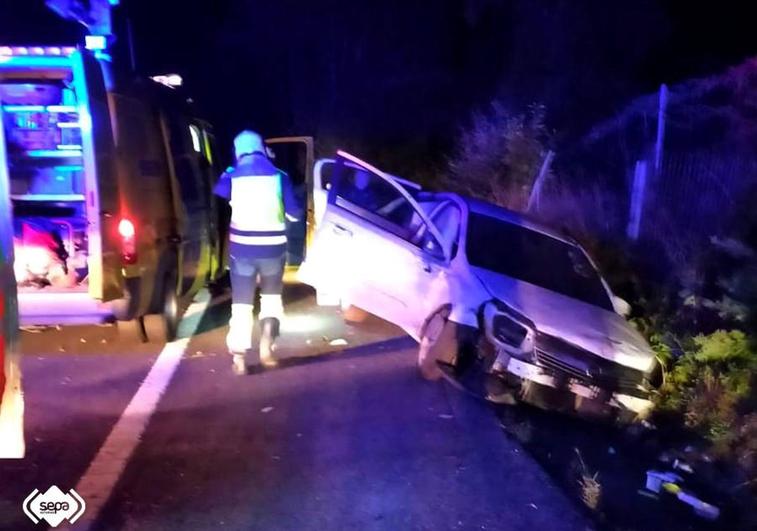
(535, 196)
(637, 199)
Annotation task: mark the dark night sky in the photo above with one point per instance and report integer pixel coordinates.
(383, 74)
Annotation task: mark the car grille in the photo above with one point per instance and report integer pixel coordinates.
(563, 358)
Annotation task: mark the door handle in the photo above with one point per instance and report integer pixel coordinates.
(342, 231)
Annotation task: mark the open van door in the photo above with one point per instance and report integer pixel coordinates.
(101, 182)
(295, 155)
(11, 399)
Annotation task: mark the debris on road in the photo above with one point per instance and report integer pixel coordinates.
(267, 409)
(340, 342)
(533, 505)
(82, 340)
(33, 329)
(446, 416)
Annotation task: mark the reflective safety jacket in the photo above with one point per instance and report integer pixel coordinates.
(261, 199)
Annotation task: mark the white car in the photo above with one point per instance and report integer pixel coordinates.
(468, 278)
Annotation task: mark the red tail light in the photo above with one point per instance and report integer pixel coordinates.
(128, 241)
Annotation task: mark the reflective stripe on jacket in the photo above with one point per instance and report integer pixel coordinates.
(260, 195)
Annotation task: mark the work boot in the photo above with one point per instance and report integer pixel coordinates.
(239, 364)
(269, 331)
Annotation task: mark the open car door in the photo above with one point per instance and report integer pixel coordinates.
(295, 156)
(11, 400)
(322, 177)
(98, 150)
(376, 248)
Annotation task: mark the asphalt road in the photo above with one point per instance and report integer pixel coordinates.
(343, 435)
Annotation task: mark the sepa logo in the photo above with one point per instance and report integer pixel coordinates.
(54, 506)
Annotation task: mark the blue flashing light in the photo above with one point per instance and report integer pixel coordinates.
(95, 42)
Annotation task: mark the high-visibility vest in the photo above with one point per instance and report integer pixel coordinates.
(257, 204)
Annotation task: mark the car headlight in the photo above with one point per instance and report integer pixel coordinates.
(509, 331)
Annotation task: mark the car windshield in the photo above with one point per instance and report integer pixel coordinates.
(533, 257)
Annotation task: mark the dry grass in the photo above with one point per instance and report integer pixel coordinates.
(591, 488)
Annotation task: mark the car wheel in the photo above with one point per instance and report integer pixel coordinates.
(163, 327)
(131, 331)
(438, 343)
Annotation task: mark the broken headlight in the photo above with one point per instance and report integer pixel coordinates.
(508, 330)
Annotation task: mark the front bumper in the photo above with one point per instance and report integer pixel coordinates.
(539, 375)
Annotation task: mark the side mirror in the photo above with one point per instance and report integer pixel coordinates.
(622, 307)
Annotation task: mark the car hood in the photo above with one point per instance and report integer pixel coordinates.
(602, 332)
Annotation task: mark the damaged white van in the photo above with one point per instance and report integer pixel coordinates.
(480, 287)
(109, 184)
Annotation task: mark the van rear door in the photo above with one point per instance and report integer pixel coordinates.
(102, 194)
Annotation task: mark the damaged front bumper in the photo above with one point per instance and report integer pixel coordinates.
(530, 372)
(523, 353)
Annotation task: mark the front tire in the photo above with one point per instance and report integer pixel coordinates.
(438, 343)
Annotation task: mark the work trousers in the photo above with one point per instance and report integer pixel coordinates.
(247, 273)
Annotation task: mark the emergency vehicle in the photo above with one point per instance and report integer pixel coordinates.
(11, 405)
(110, 189)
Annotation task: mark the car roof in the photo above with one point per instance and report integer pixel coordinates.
(517, 218)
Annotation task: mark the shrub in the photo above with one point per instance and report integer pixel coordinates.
(711, 388)
(499, 155)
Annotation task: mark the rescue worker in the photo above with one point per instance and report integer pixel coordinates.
(261, 200)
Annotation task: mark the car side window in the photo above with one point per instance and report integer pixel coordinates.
(446, 217)
(447, 220)
(374, 199)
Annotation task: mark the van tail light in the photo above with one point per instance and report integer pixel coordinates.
(128, 241)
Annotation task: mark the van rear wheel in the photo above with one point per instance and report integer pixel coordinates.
(163, 327)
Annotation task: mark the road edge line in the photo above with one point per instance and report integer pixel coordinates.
(99, 480)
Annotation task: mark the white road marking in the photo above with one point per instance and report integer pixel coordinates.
(98, 482)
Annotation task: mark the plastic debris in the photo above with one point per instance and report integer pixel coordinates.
(446, 416)
(533, 505)
(267, 409)
(678, 464)
(340, 342)
(82, 340)
(658, 482)
(648, 494)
